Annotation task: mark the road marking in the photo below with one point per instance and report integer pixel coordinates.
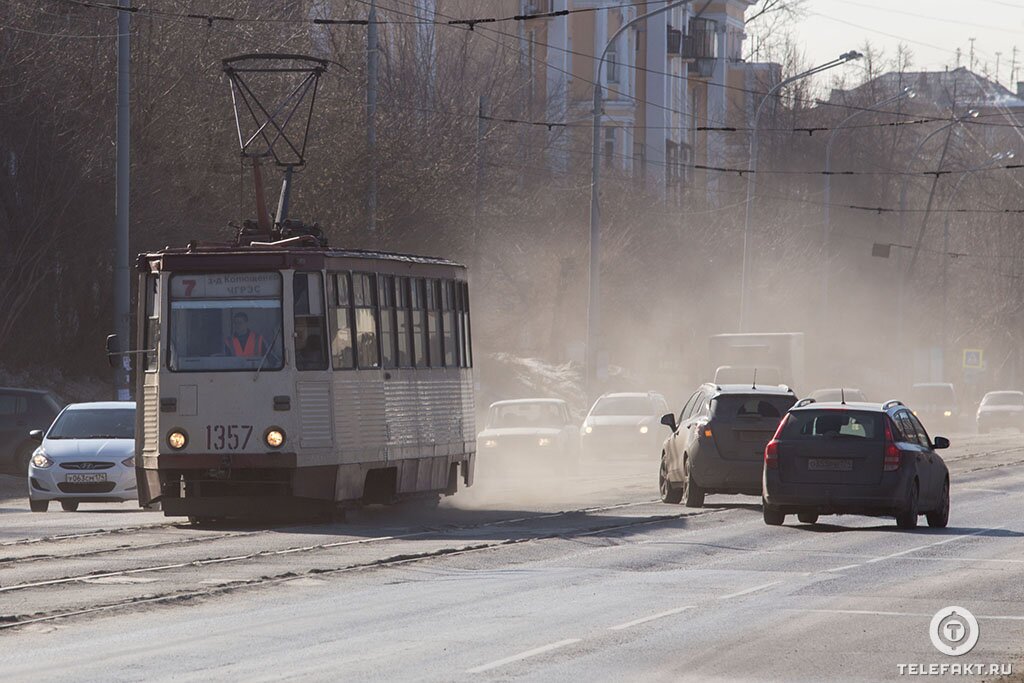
(522, 655)
(644, 620)
(879, 613)
(843, 568)
(932, 545)
(749, 590)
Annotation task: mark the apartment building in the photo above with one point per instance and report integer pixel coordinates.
(665, 81)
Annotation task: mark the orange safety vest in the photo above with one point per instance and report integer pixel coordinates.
(253, 345)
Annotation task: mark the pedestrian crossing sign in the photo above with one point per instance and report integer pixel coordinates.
(974, 359)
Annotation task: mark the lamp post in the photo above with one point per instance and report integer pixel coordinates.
(904, 273)
(594, 298)
(752, 168)
(996, 158)
(826, 237)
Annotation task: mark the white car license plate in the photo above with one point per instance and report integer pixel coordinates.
(830, 465)
(85, 478)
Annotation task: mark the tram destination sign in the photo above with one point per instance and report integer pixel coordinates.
(226, 286)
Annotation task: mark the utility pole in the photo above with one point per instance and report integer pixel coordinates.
(998, 56)
(972, 52)
(1013, 69)
(481, 163)
(372, 62)
(122, 173)
(959, 56)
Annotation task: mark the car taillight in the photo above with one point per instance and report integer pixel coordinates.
(771, 451)
(891, 462)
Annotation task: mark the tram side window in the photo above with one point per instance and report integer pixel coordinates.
(467, 339)
(433, 324)
(386, 303)
(308, 300)
(402, 326)
(419, 331)
(448, 322)
(364, 298)
(342, 348)
(152, 330)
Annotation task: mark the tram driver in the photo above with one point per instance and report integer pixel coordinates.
(244, 342)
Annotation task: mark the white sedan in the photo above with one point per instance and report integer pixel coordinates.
(86, 456)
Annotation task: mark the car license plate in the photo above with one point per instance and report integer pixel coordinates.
(830, 465)
(85, 478)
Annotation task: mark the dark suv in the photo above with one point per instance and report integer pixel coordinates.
(21, 411)
(857, 459)
(718, 439)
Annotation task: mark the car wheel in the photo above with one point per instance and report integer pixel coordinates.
(940, 518)
(669, 494)
(693, 495)
(69, 506)
(808, 517)
(907, 518)
(39, 505)
(772, 517)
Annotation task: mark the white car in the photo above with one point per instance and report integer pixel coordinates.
(532, 431)
(623, 425)
(1000, 410)
(86, 456)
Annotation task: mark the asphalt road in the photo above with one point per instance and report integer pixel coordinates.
(585, 578)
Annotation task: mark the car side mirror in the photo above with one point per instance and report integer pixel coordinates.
(113, 350)
(940, 443)
(36, 435)
(669, 420)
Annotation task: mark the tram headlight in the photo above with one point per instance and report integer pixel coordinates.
(948, 413)
(177, 439)
(490, 443)
(543, 441)
(274, 437)
(40, 461)
(643, 429)
(588, 429)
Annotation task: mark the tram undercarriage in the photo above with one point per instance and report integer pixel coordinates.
(206, 487)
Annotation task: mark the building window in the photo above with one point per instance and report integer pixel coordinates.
(611, 65)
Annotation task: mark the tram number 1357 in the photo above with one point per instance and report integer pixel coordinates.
(228, 437)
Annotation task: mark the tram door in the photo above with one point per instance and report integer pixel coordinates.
(312, 379)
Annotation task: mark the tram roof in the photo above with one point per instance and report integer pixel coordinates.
(269, 256)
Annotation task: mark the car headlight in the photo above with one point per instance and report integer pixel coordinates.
(490, 443)
(643, 429)
(40, 461)
(588, 429)
(177, 439)
(948, 413)
(543, 441)
(129, 462)
(274, 437)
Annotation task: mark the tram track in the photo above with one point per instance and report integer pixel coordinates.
(453, 528)
(15, 621)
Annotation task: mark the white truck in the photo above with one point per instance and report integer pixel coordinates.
(778, 358)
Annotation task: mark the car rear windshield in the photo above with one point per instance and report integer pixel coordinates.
(752, 407)
(624, 405)
(1003, 398)
(526, 415)
(85, 423)
(813, 424)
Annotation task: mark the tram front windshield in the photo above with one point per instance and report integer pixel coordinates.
(228, 321)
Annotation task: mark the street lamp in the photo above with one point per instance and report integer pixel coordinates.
(594, 299)
(752, 167)
(995, 160)
(826, 238)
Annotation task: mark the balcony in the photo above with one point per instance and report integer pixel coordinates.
(700, 43)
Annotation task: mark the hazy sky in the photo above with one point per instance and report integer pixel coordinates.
(932, 29)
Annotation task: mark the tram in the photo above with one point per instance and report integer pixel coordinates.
(286, 378)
